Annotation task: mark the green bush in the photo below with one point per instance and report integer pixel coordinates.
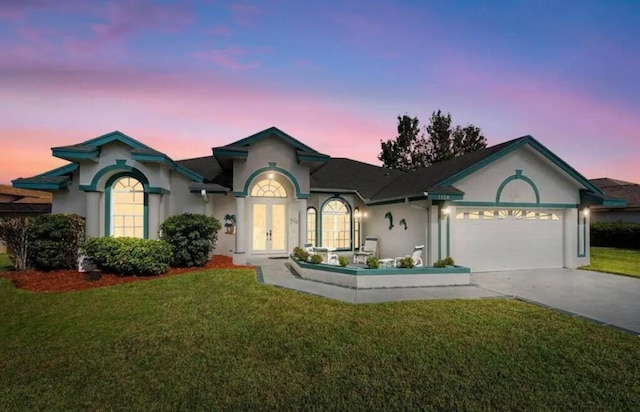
(406, 262)
(448, 261)
(343, 261)
(54, 241)
(129, 256)
(192, 238)
(315, 259)
(373, 262)
(615, 234)
(443, 263)
(300, 254)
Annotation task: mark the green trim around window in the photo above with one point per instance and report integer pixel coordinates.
(517, 176)
(121, 165)
(319, 227)
(136, 174)
(584, 235)
(272, 168)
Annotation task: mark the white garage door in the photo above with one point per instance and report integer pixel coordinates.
(504, 239)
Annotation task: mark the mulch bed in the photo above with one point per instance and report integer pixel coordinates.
(70, 280)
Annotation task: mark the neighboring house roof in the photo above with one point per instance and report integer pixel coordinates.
(14, 201)
(620, 189)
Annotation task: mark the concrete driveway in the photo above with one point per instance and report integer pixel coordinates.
(610, 299)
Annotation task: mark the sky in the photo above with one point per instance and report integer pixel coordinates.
(186, 76)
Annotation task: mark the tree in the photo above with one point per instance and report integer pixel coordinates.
(412, 149)
(409, 149)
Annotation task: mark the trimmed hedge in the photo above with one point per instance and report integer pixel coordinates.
(615, 234)
(54, 241)
(129, 256)
(192, 237)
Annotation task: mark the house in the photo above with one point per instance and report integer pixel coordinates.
(515, 205)
(629, 212)
(22, 202)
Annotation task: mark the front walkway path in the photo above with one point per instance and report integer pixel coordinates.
(276, 272)
(602, 297)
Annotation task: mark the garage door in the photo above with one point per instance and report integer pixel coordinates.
(504, 239)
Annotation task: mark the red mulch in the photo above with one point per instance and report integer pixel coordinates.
(70, 280)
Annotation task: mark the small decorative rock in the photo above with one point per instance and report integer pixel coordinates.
(95, 274)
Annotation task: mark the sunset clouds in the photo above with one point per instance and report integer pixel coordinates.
(186, 76)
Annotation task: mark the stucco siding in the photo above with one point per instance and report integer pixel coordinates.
(71, 200)
(553, 185)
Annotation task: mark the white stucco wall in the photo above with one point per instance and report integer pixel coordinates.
(397, 241)
(71, 200)
(553, 185)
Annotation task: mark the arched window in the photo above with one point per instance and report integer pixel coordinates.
(127, 208)
(268, 188)
(312, 231)
(336, 224)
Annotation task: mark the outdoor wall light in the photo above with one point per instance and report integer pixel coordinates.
(357, 214)
(270, 176)
(585, 211)
(444, 212)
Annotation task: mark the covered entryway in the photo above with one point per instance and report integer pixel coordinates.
(269, 228)
(506, 239)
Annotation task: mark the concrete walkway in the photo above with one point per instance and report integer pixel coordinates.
(601, 297)
(276, 272)
(608, 299)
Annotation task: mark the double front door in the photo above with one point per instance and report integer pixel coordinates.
(269, 227)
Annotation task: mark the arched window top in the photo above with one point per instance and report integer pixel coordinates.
(268, 188)
(335, 207)
(128, 184)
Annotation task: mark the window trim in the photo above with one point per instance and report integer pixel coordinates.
(350, 219)
(108, 216)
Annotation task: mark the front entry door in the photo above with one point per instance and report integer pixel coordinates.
(269, 228)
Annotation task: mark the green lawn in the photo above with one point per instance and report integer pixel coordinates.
(5, 263)
(218, 340)
(618, 261)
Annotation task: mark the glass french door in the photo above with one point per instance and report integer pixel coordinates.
(269, 229)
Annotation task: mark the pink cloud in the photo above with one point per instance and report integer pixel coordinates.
(229, 57)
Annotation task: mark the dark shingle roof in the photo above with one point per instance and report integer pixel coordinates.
(209, 168)
(346, 174)
(620, 189)
(417, 182)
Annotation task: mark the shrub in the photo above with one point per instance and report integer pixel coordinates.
(448, 261)
(14, 232)
(441, 263)
(406, 262)
(129, 256)
(343, 261)
(54, 241)
(372, 262)
(300, 254)
(615, 234)
(192, 238)
(315, 259)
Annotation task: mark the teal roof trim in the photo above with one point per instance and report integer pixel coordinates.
(592, 199)
(116, 136)
(273, 131)
(228, 153)
(167, 161)
(62, 170)
(312, 157)
(75, 155)
(34, 184)
(518, 143)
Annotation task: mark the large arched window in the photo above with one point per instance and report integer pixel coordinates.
(127, 208)
(336, 224)
(268, 188)
(312, 231)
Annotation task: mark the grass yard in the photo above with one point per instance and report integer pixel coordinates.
(618, 261)
(216, 340)
(5, 263)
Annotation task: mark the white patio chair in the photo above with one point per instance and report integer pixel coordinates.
(370, 248)
(415, 256)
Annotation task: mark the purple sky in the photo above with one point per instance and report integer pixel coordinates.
(183, 77)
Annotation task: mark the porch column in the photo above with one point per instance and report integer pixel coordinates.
(570, 241)
(92, 214)
(239, 255)
(302, 222)
(432, 238)
(153, 215)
